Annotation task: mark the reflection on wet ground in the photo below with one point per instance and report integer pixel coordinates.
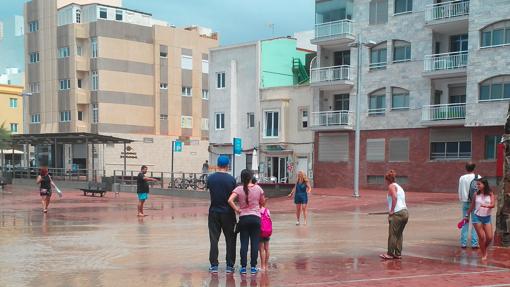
(87, 241)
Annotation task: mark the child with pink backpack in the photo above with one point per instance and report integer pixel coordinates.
(266, 229)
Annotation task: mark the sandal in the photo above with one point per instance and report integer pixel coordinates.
(386, 256)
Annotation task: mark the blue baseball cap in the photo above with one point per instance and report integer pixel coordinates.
(223, 161)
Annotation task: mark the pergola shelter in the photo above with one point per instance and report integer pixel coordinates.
(55, 139)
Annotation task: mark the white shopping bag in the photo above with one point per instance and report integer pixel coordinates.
(59, 192)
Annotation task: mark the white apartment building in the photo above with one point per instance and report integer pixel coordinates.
(435, 85)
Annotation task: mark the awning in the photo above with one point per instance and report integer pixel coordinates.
(9, 151)
(65, 138)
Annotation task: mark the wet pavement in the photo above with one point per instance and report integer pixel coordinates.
(93, 241)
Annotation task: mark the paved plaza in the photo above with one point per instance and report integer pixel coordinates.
(93, 241)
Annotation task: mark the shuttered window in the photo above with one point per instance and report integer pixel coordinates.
(333, 147)
(378, 12)
(375, 149)
(399, 149)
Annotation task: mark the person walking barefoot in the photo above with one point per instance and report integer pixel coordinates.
(482, 204)
(45, 183)
(142, 188)
(301, 191)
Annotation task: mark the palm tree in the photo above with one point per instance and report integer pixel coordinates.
(5, 137)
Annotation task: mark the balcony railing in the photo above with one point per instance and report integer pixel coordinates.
(444, 112)
(446, 10)
(445, 61)
(328, 74)
(332, 118)
(333, 29)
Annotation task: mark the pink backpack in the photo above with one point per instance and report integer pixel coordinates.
(266, 225)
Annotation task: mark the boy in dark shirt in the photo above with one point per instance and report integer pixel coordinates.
(221, 215)
(142, 188)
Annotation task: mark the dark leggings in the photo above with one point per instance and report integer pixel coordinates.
(249, 228)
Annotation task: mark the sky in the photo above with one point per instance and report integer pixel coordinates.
(236, 21)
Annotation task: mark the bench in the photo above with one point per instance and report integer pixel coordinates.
(94, 188)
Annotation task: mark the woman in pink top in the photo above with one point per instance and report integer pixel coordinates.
(482, 204)
(250, 197)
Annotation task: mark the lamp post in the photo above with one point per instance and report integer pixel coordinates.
(359, 45)
(26, 95)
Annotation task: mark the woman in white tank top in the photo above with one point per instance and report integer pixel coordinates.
(482, 204)
(397, 218)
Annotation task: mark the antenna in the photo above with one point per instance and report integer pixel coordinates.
(272, 27)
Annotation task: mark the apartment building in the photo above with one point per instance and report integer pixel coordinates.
(11, 108)
(257, 89)
(97, 67)
(434, 89)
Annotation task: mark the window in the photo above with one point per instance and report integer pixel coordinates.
(378, 56)
(450, 150)
(95, 114)
(271, 123)
(375, 149)
(79, 50)
(375, 179)
(399, 99)
(95, 81)
(63, 52)
(79, 83)
(65, 116)
(459, 43)
(103, 13)
(163, 117)
(80, 115)
(14, 128)
(496, 88)
(377, 102)
(163, 54)
(33, 26)
(34, 87)
(205, 94)
(333, 147)
(186, 92)
(34, 57)
(303, 114)
(491, 144)
(35, 118)
(163, 86)
(399, 149)
(186, 122)
(333, 10)
(118, 15)
(93, 45)
(401, 51)
(205, 124)
(205, 66)
(403, 6)
(78, 16)
(186, 62)
(220, 80)
(13, 103)
(378, 12)
(65, 84)
(496, 34)
(250, 118)
(219, 121)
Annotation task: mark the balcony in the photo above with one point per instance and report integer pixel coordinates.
(334, 77)
(451, 64)
(82, 63)
(82, 96)
(445, 114)
(446, 12)
(334, 33)
(332, 120)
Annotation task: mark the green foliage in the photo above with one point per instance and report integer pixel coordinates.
(5, 137)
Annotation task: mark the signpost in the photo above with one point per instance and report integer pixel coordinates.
(176, 147)
(237, 146)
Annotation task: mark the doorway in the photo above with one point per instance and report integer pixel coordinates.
(277, 169)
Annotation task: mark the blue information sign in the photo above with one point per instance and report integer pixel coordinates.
(238, 146)
(177, 146)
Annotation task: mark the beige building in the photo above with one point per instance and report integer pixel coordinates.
(94, 66)
(11, 108)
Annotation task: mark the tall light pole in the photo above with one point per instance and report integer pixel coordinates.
(359, 45)
(26, 149)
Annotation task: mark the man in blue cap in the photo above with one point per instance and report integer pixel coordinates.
(221, 215)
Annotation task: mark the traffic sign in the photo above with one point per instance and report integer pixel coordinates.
(238, 146)
(177, 146)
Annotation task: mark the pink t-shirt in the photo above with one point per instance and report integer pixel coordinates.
(254, 195)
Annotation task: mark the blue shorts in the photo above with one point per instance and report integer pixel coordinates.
(481, 219)
(143, 196)
(301, 198)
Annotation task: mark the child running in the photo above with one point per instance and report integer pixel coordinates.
(266, 229)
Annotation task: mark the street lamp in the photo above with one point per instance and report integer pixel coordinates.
(358, 44)
(25, 95)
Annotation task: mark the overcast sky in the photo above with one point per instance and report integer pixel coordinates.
(237, 21)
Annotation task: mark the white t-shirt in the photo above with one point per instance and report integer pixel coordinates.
(464, 184)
